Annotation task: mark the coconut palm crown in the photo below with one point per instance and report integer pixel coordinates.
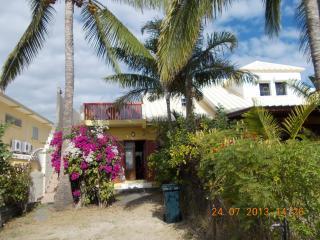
(184, 19)
(102, 28)
(207, 65)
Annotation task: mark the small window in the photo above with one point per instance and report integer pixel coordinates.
(12, 120)
(35, 133)
(281, 88)
(183, 102)
(264, 89)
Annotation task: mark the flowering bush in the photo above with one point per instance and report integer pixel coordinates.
(92, 159)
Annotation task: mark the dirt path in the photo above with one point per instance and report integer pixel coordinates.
(134, 217)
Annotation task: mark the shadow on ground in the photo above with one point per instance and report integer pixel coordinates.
(132, 200)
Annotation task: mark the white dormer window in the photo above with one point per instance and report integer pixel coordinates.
(281, 88)
(183, 102)
(264, 89)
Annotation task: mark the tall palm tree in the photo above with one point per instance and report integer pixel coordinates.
(177, 38)
(145, 80)
(207, 65)
(103, 30)
(309, 23)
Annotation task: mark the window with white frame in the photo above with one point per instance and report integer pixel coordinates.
(35, 133)
(264, 89)
(281, 88)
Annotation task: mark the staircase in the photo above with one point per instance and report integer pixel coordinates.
(51, 183)
(50, 189)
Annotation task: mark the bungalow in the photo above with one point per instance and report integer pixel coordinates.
(132, 124)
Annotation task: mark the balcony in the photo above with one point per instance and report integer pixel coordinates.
(107, 111)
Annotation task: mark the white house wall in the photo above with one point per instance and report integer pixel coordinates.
(250, 90)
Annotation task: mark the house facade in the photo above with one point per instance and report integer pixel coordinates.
(132, 124)
(27, 137)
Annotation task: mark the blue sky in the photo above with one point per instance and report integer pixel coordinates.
(36, 87)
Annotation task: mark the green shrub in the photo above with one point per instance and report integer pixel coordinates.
(15, 180)
(178, 153)
(247, 173)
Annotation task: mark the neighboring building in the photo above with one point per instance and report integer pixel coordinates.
(27, 137)
(132, 125)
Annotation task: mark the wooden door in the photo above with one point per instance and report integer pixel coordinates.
(130, 168)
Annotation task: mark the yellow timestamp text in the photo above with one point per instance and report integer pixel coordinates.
(258, 212)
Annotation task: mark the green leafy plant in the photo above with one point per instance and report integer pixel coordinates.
(254, 173)
(258, 120)
(15, 180)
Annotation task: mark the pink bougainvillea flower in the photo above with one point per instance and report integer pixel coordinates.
(65, 163)
(88, 150)
(74, 176)
(84, 165)
(83, 130)
(117, 168)
(110, 154)
(101, 167)
(99, 157)
(76, 193)
(57, 139)
(108, 169)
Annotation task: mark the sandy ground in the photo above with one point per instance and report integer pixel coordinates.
(135, 216)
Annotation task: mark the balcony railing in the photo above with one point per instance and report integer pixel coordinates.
(107, 111)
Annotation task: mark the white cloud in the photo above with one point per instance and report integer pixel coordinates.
(36, 87)
(271, 50)
(242, 10)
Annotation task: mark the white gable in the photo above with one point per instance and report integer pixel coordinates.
(259, 66)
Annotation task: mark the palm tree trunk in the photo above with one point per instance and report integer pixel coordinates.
(168, 103)
(189, 102)
(63, 196)
(313, 22)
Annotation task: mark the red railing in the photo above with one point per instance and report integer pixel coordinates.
(107, 111)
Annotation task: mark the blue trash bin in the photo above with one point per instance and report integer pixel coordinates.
(171, 194)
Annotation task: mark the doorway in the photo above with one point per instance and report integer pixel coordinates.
(134, 160)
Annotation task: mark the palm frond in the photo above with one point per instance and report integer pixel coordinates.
(220, 71)
(272, 17)
(105, 31)
(221, 40)
(30, 43)
(258, 120)
(141, 4)
(294, 122)
(177, 42)
(134, 95)
(152, 27)
(137, 63)
(301, 89)
(96, 36)
(304, 29)
(129, 80)
(216, 45)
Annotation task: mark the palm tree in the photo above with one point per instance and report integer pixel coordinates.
(177, 38)
(309, 23)
(146, 80)
(103, 30)
(207, 65)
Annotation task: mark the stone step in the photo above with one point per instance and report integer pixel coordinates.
(52, 184)
(48, 198)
